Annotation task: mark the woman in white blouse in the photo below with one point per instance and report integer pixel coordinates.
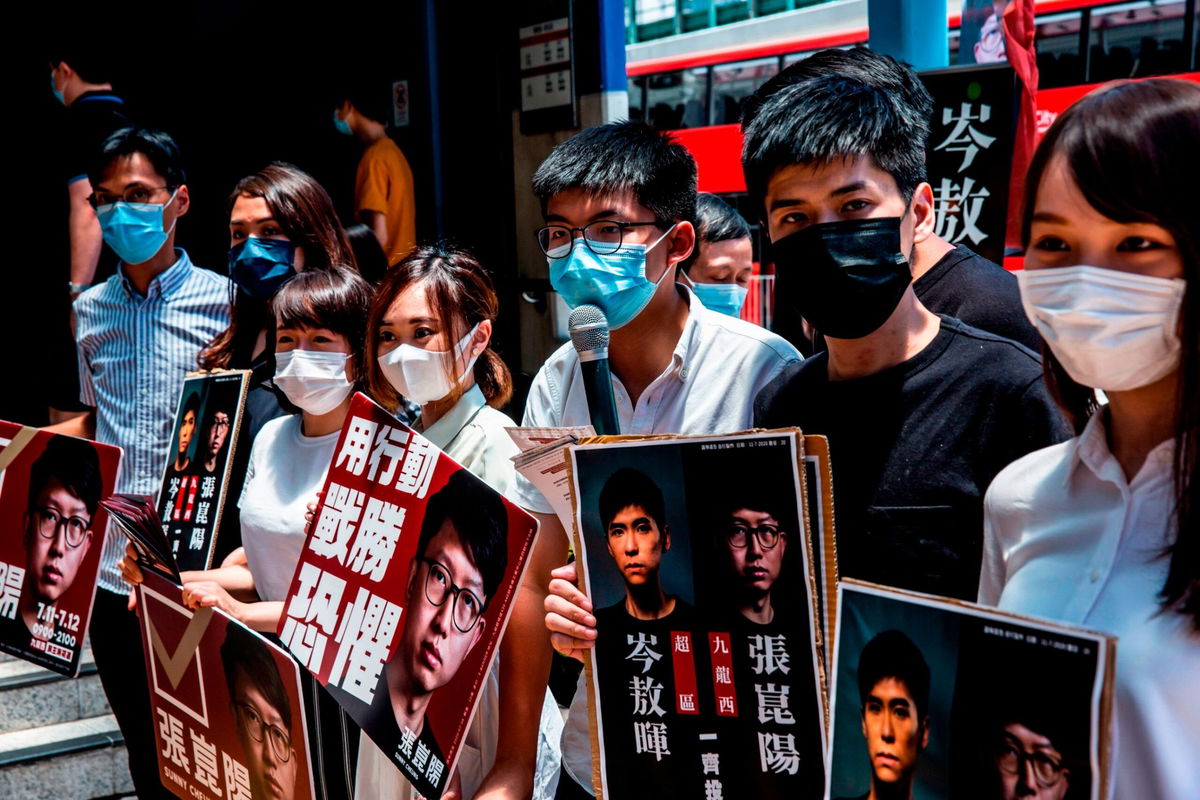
(428, 342)
(1103, 531)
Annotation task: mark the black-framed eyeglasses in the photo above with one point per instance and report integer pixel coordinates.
(134, 194)
(768, 535)
(1047, 770)
(603, 237)
(281, 743)
(50, 521)
(467, 609)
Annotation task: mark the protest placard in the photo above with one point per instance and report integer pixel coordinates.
(706, 676)
(228, 718)
(196, 475)
(52, 531)
(939, 698)
(403, 590)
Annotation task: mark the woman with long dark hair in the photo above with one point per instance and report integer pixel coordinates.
(281, 222)
(1104, 530)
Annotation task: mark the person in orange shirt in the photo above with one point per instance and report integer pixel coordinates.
(383, 186)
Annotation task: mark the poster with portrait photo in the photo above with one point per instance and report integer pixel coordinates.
(196, 475)
(705, 679)
(52, 530)
(228, 717)
(937, 699)
(403, 589)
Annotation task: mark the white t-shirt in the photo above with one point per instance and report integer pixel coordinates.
(717, 369)
(1067, 537)
(286, 471)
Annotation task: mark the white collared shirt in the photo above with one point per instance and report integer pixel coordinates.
(1067, 537)
(718, 367)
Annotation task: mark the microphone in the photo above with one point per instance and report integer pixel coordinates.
(589, 335)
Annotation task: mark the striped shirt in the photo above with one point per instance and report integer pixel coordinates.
(134, 352)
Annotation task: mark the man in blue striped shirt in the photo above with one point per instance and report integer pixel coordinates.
(138, 335)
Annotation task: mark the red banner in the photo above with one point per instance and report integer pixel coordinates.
(404, 588)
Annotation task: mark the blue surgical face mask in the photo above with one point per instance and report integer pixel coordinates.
(260, 266)
(615, 281)
(725, 298)
(343, 126)
(135, 230)
(54, 89)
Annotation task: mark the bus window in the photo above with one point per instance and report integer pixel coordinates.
(1137, 40)
(637, 98)
(677, 99)
(734, 82)
(1057, 43)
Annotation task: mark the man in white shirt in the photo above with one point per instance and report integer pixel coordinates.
(619, 202)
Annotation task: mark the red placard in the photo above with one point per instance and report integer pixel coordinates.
(228, 718)
(403, 589)
(53, 533)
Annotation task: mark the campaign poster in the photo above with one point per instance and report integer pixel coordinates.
(53, 529)
(970, 152)
(981, 32)
(228, 717)
(196, 475)
(705, 678)
(403, 590)
(937, 699)
(818, 489)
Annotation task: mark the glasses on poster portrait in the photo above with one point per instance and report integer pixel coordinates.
(603, 237)
(767, 535)
(468, 608)
(133, 194)
(281, 743)
(1047, 770)
(49, 522)
(219, 422)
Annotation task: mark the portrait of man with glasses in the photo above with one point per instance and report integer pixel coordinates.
(462, 554)
(64, 490)
(750, 534)
(262, 714)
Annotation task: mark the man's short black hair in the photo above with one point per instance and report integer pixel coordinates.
(157, 146)
(825, 119)
(74, 464)
(244, 652)
(862, 63)
(620, 157)
(716, 221)
(481, 520)
(370, 97)
(891, 654)
(628, 487)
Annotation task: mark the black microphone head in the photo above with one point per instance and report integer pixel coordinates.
(589, 329)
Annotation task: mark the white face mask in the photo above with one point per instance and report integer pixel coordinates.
(1111, 330)
(420, 375)
(313, 380)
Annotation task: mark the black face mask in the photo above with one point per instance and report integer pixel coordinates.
(845, 278)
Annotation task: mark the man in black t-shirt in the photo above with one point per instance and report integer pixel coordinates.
(80, 79)
(948, 280)
(921, 410)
